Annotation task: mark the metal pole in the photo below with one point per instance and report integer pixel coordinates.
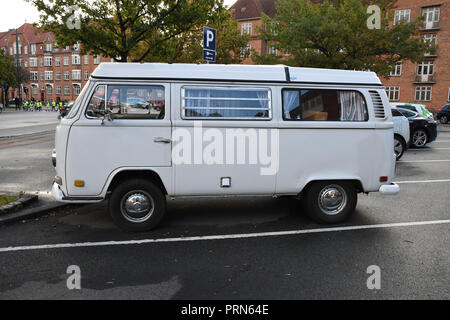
(19, 78)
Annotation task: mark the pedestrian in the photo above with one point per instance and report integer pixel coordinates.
(16, 102)
(53, 105)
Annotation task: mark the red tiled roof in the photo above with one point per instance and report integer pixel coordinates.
(248, 9)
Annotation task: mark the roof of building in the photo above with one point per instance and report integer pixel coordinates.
(29, 32)
(250, 9)
(231, 73)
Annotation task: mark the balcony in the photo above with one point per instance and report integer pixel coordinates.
(425, 79)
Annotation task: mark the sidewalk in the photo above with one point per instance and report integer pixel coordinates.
(41, 206)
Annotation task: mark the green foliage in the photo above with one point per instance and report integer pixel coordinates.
(131, 30)
(8, 73)
(335, 35)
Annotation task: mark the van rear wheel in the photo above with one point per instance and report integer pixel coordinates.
(330, 202)
(137, 205)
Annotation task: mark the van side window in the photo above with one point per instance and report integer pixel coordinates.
(324, 105)
(96, 107)
(136, 102)
(226, 103)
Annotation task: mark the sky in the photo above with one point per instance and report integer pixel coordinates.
(13, 13)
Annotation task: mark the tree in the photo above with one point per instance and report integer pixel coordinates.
(187, 47)
(335, 35)
(121, 28)
(8, 74)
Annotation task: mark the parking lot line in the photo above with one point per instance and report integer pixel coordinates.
(222, 237)
(431, 149)
(422, 181)
(405, 161)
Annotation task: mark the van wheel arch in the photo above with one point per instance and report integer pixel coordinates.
(126, 175)
(356, 183)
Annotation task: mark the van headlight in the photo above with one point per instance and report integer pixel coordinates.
(54, 157)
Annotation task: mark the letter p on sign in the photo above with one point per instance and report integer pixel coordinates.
(209, 38)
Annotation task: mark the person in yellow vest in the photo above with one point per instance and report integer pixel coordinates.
(53, 105)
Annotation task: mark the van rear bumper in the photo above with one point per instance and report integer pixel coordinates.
(389, 189)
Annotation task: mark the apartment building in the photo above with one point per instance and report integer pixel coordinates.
(427, 82)
(57, 74)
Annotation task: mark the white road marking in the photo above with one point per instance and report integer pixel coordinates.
(429, 149)
(422, 181)
(222, 237)
(405, 161)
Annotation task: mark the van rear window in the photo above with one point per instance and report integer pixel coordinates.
(324, 105)
(226, 103)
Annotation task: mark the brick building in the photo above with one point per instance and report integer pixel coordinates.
(56, 74)
(427, 82)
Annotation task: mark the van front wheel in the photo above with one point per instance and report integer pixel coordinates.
(137, 205)
(330, 202)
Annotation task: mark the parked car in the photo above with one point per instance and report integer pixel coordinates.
(419, 108)
(422, 129)
(444, 114)
(64, 110)
(401, 133)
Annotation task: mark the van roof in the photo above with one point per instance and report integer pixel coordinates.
(221, 72)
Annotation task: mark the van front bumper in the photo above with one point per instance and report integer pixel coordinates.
(389, 189)
(57, 193)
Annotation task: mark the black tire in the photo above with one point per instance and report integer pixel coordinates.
(444, 119)
(399, 147)
(316, 210)
(419, 138)
(137, 191)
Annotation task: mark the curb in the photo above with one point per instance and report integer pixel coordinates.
(31, 213)
(18, 204)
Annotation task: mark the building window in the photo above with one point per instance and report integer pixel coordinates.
(402, 15)
(397, 70)
(33, 49)
(34, 89)
(48, 61)
(66, 90)
(48, 47)
(226, 102)
(76, 60)
(49, 90)
(246, 28)
(86, 75)
(393, 93)
(34, 76)
(431, 15)
(58, 76)
(25, 49)
(76, 74)
(86, 59)
(245, 52)
(33, 62)
(48, 75)
(25, 63)
(431, 38)
(41, 62)
(272, 51)
(66, 61)
(66, 76)
(96, 59)
(42, 76)
(425, 68)
(57, 61)
(76, 90)
(58, 90)
(324, 105)
(423, 94)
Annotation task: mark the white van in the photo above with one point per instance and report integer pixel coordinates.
(139, 133)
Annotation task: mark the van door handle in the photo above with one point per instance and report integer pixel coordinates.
(162, 140)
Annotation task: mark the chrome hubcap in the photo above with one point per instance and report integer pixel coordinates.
(332, 199)
(419, 138)
(444, 119)
(137, 206)
(398, 147)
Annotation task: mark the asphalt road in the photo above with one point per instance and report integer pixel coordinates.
(314, 262)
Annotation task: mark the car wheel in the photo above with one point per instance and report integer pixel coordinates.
(137, 205)
(444, 119)
(330, 202)
(419, 138)
(399, 147)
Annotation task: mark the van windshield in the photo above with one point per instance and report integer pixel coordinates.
(73, 111)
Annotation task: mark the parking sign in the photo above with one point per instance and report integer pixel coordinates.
(209, 44)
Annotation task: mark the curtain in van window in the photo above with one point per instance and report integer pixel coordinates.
(352, 106)
(197, 103)
(291, 104)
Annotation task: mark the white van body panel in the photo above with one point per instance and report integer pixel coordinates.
(96, 150)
